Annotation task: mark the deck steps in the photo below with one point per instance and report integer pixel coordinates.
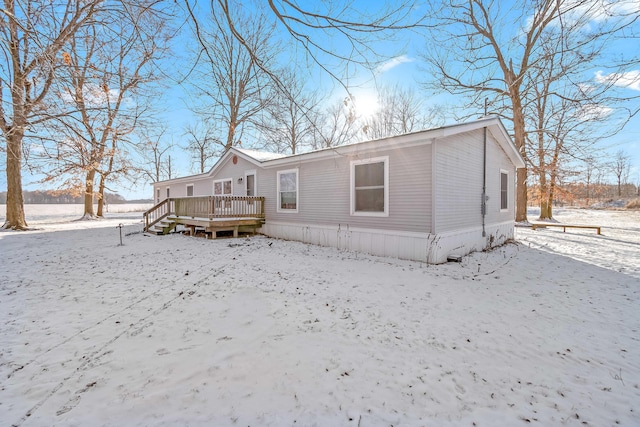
(165, 226)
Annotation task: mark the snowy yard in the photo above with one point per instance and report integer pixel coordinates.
(255, 331)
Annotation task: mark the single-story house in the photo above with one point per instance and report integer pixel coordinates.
(421, 196)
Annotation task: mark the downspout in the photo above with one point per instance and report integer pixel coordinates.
(483, 207)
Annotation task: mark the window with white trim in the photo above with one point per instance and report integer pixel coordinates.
(370, 187)
(189, 190)
(288, 190)
(157, 195)
(504, 190)
(168, 192)
(223, 187)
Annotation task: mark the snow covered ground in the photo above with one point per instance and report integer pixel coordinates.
(47, 214)
(254, 331)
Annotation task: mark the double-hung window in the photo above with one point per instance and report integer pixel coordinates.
(370, 187)
(288, 190)
(504, 190)
(222, 187)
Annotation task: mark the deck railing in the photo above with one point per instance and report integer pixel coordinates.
(209, 207)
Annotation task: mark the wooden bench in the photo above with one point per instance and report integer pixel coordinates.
(565, 226)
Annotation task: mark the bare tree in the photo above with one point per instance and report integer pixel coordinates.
(290, 118)
(105, 78)
(33, 34)
(400, 111)
(354, 31)
(591, 167)
(201, 144)
(337, 125)
(620, 167)
(233, 88)
(477, 51)
(155, 151)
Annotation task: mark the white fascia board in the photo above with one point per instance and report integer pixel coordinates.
(181, 179)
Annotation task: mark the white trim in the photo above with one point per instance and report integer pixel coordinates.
(255, 181)
(506, 172)
(278, 208)
(193, 189)
(352, 189)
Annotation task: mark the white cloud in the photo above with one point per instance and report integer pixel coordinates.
(585, 14)
(394, 62)
(94, 95)
(630, 79)
(594, 112)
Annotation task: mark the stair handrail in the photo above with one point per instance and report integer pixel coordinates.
(157, 213)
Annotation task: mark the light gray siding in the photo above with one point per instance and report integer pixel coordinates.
(458, 176)
(324, 194)
(497, 161)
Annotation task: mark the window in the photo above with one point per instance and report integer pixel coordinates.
(189, 190)
(168, 192)
(370, 187)
(157, 195)
(288, 191)
(222, 187)
(504, 190)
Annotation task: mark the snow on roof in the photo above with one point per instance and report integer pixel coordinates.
(261, 156)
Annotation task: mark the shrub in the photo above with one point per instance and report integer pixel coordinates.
(633, 204)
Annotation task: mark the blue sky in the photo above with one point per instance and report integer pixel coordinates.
(402, 64)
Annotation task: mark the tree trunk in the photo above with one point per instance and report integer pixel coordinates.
(550, 203)
(545, 208)
(100, 197)
(88, 195)
(520, 139)
(15, 202)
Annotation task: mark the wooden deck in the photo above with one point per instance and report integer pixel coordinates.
(211, 214)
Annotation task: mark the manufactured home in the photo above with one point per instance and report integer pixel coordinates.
(423, 196)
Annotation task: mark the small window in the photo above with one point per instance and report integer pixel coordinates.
(504, 190)
(157, 195)
(190, 190)
(370, 187)
(288, 191)
(168, 192)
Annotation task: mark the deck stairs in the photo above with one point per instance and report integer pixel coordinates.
(165, 226)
